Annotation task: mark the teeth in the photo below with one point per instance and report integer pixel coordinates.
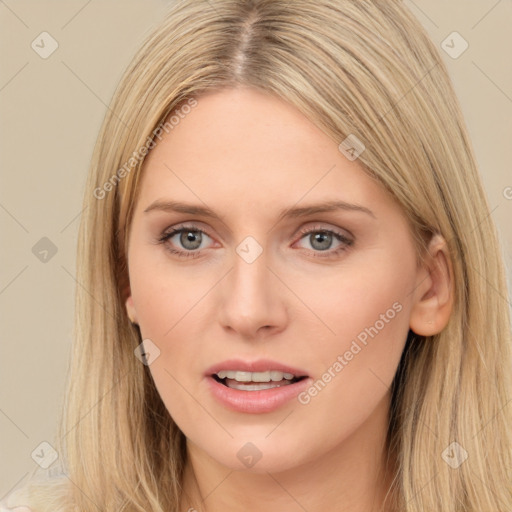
(239, 376)
(233, 384)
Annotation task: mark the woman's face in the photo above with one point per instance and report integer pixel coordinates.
(275, 281)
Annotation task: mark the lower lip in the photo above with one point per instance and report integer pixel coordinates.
(256, 402)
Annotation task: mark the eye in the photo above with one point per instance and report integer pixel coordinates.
(321, 240)
(188, 240)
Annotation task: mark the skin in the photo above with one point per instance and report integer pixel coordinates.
(247, 156)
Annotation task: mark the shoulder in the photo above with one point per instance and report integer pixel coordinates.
(43, 492)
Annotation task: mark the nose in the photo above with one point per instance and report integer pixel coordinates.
(253, 302)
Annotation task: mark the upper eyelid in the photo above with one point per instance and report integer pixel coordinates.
(193, 225)
(320, 227)
(172, 230)
(226, 233)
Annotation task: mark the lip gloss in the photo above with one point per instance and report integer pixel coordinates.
(256, 402)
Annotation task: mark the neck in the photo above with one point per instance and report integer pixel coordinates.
(355, 476)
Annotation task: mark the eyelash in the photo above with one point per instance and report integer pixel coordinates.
(306, 231)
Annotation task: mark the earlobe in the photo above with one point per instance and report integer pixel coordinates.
(130, 310)
(434, 292)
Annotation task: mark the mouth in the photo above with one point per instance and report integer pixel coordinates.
(256, 381)
(255, 387)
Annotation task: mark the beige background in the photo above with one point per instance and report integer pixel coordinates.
(51, 110)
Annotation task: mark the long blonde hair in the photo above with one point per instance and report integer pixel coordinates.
(353, 68)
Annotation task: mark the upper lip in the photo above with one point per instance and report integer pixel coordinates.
(260, 365)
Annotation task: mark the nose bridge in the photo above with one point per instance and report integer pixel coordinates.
(250, 277)
(251, 298)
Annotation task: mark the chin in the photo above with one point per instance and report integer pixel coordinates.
(260, 454)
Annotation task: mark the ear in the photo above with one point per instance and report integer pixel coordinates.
(130, 309)
(434, 290)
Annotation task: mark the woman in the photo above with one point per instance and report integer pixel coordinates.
(292, 292)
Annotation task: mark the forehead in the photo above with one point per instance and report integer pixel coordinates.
(251, 149)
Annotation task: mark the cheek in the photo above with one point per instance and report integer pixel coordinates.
(164, 295)
(371, 291)
(368, 310)
(169, 305)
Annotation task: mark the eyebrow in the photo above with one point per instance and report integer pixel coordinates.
(293, 212)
